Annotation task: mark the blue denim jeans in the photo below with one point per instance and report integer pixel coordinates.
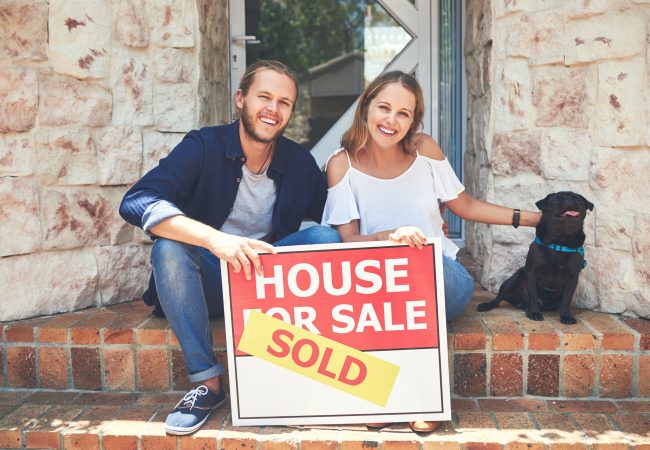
(459, 287)
(188, 281)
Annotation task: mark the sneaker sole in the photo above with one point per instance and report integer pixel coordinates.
(181, 431)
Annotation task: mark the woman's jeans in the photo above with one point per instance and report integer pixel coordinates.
(188, 281)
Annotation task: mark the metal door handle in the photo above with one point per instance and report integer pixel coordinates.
(245, 38)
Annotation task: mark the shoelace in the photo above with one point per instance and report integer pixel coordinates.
(190, 397)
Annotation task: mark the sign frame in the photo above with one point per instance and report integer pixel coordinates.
(246, 393)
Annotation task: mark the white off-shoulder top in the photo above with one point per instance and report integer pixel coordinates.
(408, 199)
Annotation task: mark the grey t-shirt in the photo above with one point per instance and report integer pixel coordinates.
(253, 209)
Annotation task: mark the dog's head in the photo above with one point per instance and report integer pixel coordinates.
(563, 214)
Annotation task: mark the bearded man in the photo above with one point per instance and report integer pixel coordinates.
(224, 193)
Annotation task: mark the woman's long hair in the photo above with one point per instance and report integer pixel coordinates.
(357, 136)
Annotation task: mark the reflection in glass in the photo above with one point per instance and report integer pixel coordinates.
(335, 47)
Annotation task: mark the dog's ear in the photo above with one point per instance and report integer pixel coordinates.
(541, 204)
(588, 204)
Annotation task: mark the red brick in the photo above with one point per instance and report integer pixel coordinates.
(633, 423)
(53, 367)
(173, 341)
(278, 438)
(19, 332)
(86, 332)
(644, 379)
(543, 341)
(470, 374)
(463, 404)
(52, 335)
(119, 368)
(506, 333)
(153, 331)
(579, 341)
(593, 406)
(308, 444)
(579, 375)
(118, 336)
(615, 335)
(593, 424)
(512, 405)
(482, 446)
(2, 366)
(616, 376)
(503, 341)
(21, 367)
(641, 406)
(153, 369)
(506, 379)
(85, 368)
(567, 446)
(51, 398)
(45, 433)
(12, 397)
(83, 432)
(641, 326)
(470, 341)
(13, 423)
(514, 421)
(543, 375)
(524, 446)
(179, 372)
(106, 399)
(122, 432)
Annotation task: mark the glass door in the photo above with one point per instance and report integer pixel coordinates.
(336, 47)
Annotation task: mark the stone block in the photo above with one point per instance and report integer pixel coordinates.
(23, 30)
(620, 110)
(513, 108)
(565, 154)
(119, 153)
(516, 153)
(612, 35)
(16, 154)
(80, 37)
(175, 65)
(18, 99)
(614, 230)
(172, 23)
(564, 96)
(535, 35)
(65, 156)
(67, 101)
(574, 9)
(156, 146)
(79, 217)
(175, 107)
(132, 89)
(36, 287)
(20, 225)
(503, 261)
(640, 252)
(616, 175)
(130, 23)
(503, 7)
(123, 272)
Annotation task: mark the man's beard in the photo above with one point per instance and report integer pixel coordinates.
(247, 121)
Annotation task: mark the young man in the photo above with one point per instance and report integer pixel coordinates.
(225, 192)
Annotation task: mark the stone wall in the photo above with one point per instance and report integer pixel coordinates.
(92, 94)
(559, 93)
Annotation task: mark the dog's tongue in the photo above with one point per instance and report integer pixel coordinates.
(570, 213)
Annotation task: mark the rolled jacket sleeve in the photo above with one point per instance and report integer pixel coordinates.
(159, 212)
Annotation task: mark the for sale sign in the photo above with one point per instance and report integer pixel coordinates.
(344, 333)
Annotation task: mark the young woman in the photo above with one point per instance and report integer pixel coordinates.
(388, 181)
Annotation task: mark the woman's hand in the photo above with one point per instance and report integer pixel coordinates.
(409, 235)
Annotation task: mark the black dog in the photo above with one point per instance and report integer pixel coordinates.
(554, 261)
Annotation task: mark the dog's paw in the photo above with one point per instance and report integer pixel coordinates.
(535, 316)
(482, 307)
(568, 320)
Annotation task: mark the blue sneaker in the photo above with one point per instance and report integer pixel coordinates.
(193, 410)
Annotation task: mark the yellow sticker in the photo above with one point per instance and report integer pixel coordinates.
(319, 358)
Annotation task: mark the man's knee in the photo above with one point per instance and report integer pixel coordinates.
(166, 253)
(320, 234)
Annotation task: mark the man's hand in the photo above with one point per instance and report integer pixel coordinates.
(239, 251)
(409, 235)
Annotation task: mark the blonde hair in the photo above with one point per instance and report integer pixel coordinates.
(248, 78)
(357, 135)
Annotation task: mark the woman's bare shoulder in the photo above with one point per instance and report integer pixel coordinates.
(337, 166)
(427, 146)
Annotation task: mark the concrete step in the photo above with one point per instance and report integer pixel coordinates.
(123, 348)
(99, 420)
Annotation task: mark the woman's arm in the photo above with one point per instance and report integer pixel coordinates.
(469, 208)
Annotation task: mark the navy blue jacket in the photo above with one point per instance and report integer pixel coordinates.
(201, 175)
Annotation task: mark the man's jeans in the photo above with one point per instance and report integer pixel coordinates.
(188, 281)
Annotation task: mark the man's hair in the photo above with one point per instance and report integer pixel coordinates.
(248, 78)
(357, 136)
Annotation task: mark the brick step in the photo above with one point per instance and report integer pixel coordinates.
(123, 348)
(98, 420)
